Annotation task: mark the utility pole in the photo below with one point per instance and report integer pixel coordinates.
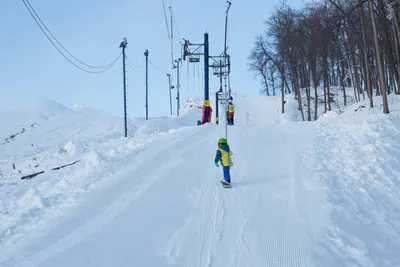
(206, 107)
(169, 88)
(123, 45)
(220, 75)
(226, 111)
(225, 57)
(217, 93)
(229, 77)
(177, 86)
(216, 107)
(146, 54)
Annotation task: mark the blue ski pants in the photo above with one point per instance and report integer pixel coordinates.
(227, 174)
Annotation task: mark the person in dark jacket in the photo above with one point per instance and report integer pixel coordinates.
(224, 155)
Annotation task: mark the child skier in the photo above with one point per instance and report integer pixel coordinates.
(224, 155)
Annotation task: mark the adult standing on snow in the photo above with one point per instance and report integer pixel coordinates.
(231, 113)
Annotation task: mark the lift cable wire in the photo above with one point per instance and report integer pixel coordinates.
(136, 65)
(133, 66)
(32, 12)
(159, 69)
(166, 23)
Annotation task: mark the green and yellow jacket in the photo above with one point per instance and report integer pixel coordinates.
(224, 155)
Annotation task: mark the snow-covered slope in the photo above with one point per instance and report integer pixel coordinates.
(319, 193)
(43, 136)
(356, 155)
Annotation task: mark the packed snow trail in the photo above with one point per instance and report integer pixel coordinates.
(171, 210)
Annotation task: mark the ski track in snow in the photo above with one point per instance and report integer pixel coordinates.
(280, 239)
(263, 220)
(112, 210)
(303, 195)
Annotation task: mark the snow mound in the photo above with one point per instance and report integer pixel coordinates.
(188, 116)
(28, 115)
(156, 126)
(191, 103)
(92, 159)
(86, 109)
(40, 109)
(357, 158)
(69, 149)
(73, 149)
(135, 143)
(30, 200)
(260, 110)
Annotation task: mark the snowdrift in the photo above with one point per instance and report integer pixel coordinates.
(356, 155)
(69, 151)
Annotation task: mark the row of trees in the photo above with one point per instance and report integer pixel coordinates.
(346, 43)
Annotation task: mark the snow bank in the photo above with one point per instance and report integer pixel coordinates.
(73, 149)
(32, 112)
(188, 116)
(76, 149)
(357, 158)
(292, 112)
(92, 159)
(86, 109)
(156, 126)
(337, 101)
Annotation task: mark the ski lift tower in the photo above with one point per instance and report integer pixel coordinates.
(220, 70)
(194, 57)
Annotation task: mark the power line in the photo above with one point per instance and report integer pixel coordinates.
(166, 23)
(136, 65)
(172, 36)
(94, 67)
(176, 24)
(158, 68)
(177, 27)
(132, 66)
(33, 13)
(135, 70)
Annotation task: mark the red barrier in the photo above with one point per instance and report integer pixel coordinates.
(206, 114)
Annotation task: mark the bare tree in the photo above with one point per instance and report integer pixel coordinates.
(378, 59)
(331, 42)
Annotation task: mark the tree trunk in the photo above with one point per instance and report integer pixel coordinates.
(283, 93)
(266, 83)
(333, 79)
(390, 60)
(313, 64)
(354, 63)
(325, 72)
(297, 90)
(273, 83)
(396, 31)
(308, 92)
(374, 78)
(379, 60)
(343, 84)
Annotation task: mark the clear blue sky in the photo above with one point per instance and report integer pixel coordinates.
(31, 68)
